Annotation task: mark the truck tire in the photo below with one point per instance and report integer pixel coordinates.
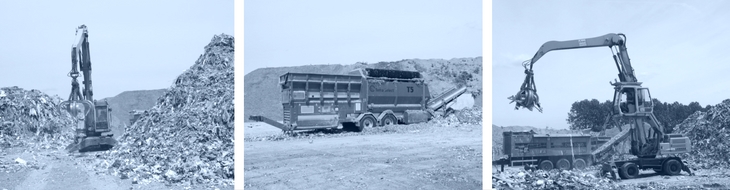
(672, 167)
(367, 121)
(628, 171)
(546, 165)
(579, 164)
(389, 120)
(563, 164)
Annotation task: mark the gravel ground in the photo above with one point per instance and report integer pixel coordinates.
(422, 156)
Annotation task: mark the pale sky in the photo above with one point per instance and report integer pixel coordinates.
(135, 45)
(677, 48)
(293, 33)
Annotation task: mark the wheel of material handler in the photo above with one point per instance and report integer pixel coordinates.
(672, 167)
(628, 171)
(579, 164)
(389, 120)
(563, 164)
(546, 165)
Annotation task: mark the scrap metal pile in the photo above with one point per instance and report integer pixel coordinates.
(18, 164)
(710, 135)
(187, 137)
(470, 116)
(565, 179)
(30, 118)
(554, 179)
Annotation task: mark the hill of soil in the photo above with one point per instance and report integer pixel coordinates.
(262, 92)
(127, 101)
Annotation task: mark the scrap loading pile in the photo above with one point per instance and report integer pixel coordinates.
(187, 137)
(710, 135)
(565, 179)
(32, 115)
(554, 179)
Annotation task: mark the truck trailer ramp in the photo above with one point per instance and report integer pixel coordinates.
(271, 122)
(446, 98)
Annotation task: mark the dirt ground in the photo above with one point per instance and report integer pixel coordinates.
(58, 170)
(416, 157)
(703, 179)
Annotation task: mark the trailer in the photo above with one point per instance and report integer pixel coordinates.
(361, 99)
(556, 151)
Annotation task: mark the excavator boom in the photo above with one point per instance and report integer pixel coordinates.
(612, 40)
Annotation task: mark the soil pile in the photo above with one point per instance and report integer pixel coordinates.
(710, 135)
(32, 118)
(187, 137)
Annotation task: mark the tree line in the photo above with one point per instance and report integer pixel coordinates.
(592, 114)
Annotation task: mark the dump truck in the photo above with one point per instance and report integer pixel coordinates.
(363, 98)
(549, 151)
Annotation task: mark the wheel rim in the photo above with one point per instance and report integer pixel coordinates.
(673, 167)
(563, 164)
(546, 165)
(579, 164)
(389, 120)
(368, 123)
(632, 171)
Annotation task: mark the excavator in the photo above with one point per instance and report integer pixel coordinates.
(632, 104)
(93, 117)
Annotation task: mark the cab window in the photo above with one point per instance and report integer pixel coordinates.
(646, 97)
(101, 115)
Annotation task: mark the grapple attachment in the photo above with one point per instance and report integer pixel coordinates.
(527, 96)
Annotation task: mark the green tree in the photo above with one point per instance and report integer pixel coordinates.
(591, 114)
(588, 114)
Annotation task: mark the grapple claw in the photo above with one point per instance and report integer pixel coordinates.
(526, 98)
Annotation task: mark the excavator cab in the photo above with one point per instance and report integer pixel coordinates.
(103, 117)
(632, 100)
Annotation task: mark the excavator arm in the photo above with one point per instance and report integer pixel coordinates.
(81, 56)
(527, 96)
(612, 40)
